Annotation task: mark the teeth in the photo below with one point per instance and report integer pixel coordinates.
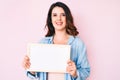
(59, 23)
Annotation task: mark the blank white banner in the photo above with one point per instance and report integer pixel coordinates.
(48, 57)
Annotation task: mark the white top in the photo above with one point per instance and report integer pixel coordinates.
(55, 76)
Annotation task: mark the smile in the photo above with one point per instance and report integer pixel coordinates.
(59, 23)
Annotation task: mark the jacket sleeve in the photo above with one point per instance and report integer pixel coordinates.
(83, 67)
(31, 75)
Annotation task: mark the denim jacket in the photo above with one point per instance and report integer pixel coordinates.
(78, 55)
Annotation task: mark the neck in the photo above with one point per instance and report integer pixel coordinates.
(61, 38)
(61, 35)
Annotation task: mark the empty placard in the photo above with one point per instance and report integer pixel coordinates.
(48, 57)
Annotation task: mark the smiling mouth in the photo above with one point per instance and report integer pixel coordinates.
(59, 23)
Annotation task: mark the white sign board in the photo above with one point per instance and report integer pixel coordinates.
(48, 57)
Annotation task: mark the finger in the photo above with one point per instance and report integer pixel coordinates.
(70, 68)
(69, 63)
(27, 58)
(27, 66)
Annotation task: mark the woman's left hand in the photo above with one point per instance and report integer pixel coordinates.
(71, 68)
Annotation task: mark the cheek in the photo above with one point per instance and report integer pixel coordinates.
(53, 20)
(64, 19)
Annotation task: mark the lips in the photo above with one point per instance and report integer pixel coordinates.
(59, 23)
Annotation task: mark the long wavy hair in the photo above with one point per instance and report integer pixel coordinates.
(70, 27)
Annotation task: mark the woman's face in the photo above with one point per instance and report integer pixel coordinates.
(58, 17)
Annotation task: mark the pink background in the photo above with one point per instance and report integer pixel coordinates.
(98, 21)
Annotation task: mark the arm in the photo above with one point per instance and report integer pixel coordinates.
(78, 66)
(82, 65)
(79, 71)
(26, 65)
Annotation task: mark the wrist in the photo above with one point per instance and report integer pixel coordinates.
(75, 75)
(32, 73)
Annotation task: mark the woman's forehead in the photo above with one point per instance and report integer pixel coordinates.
(58, 10)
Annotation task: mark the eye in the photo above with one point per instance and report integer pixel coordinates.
(63, 14)
(54, 15)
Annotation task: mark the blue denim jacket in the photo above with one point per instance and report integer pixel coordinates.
(78, 55)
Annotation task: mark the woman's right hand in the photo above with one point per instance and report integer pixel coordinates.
(26, 62)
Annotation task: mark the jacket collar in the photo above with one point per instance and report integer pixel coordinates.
(71, 39)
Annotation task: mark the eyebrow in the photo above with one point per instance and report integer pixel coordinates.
(56, 13)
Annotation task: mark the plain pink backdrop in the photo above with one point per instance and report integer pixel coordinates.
(98, 21)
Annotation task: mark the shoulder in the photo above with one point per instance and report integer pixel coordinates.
(78, 42)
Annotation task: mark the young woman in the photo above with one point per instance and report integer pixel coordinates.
(61, 30)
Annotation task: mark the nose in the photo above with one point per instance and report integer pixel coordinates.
(59, 17)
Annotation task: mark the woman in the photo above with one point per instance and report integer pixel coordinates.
(61, 30)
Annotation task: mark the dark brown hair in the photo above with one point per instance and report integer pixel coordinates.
(70, 28)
